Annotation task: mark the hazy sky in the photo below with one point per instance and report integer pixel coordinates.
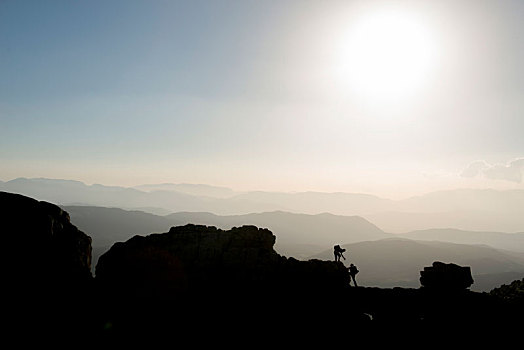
(392, 98)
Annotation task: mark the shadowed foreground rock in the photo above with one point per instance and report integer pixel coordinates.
(46, 264)
(200, 259)
(210, 286)
(441, 276)
(222, 280)
(204, 273)
(512, 293)
(41, 242)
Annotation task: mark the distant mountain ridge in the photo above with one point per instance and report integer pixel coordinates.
(402, 222)
(466, 209)
(395, 262)
(183, 282)
(498, 240)
(191, 189)
(304, 236)
(310, 232)
(299, 235)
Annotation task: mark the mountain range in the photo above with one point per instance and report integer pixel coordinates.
(396, 262)
(465, 209)
(473, 227)
(387, 259)
(298, 235)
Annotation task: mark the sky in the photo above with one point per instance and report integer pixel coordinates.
(392, 98)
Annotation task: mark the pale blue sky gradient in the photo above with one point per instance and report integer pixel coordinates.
(243, 94)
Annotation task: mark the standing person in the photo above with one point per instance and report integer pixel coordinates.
(352, 272)
(337, 251)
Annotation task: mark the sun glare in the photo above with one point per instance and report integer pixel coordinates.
(388, 56)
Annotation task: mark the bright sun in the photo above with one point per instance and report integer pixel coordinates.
(389, 56)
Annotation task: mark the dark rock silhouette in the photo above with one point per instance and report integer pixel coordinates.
(43, 244)
(512, 293)
(192, 258)
(199, 281)
(196, 270)
(441, 276)
(46, 260)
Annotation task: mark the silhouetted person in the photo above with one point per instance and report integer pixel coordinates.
(353, 272)
(337, 251)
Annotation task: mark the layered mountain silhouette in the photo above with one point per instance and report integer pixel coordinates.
(299, 235)
(197, 280)
(394, 262)
(466, 209)
(304, 236)
(498, 240)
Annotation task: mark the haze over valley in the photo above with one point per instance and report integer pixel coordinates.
(465, 209)
(308, 224)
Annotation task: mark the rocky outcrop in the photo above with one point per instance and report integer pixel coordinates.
(46, 277)
(41, 243)
(231, 279)
(441, 276)
(513, 292)
(203, 285)
(196, 258)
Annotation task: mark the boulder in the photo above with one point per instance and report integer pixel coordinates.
(442, 276)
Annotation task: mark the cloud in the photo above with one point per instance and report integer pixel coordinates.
(475, 169)
(512, 171)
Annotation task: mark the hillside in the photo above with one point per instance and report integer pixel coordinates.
(387, 263)
(499, 240)
(396, 262)
(109, 225)
(299, 235)
(67, 192)
(466, 209)
(467, 220)
(191, 189)
(166, 283)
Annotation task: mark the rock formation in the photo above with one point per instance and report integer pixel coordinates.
(202, 284)
(205, 272)
(46, 264)
(195, 258)
(513, 292)
(441, 276)
(41, 243)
